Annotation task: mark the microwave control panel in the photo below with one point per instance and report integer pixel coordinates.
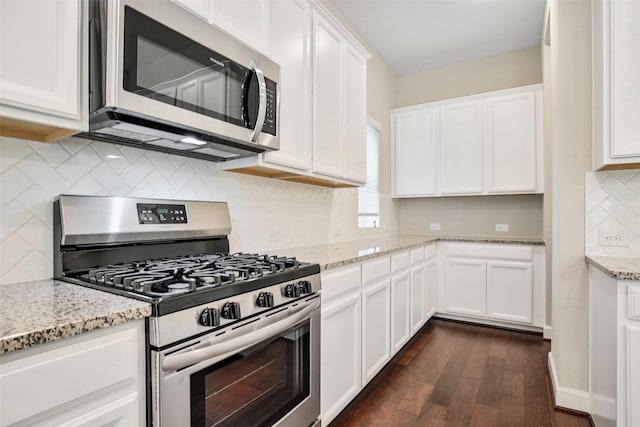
(161, 214)
(270, 118)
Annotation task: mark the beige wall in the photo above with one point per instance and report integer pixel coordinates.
(571, 158)
(463, 216)
(512, 69)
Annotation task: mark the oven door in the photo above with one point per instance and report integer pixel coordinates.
(265, 372)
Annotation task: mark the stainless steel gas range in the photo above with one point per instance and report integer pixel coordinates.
(233, 339)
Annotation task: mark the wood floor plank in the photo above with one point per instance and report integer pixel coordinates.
(491, 382)
(460, 375)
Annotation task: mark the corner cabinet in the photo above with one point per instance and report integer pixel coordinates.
(323, 108)
(494, 284)
(43, 93)
(489, 143)
(616, 92)
(96, 378)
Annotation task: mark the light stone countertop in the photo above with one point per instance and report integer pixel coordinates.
(49, 310)
(335, 255)
(617, 267)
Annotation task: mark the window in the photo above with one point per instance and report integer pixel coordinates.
(369, 195)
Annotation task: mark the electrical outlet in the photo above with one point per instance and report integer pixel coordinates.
(434, 226)
(274, 236)
(337, 231)
(502, 227)
(614, 238)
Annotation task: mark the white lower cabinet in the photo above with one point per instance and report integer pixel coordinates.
(614, 341)
(376, 317)
(97, 378)
(495, 284)
(340, 357)
(431, 279)
(400, 300)
(418, 289)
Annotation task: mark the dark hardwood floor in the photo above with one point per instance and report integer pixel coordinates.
(457, 374)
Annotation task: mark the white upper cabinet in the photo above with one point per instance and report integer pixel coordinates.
(513, 135)
(43, 82)
(616, 92)
(323, 98)
(201, 8)
(415, 152)
(355, 115)
(327, 96)
(489, 143)
(461, 148)
(339, 104)
(290, 45)
(247, 20)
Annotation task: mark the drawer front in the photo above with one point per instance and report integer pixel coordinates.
(417, 255)
(399, 262)
(372, 271)
(340, 281)
(506, 252)
(430, 251)
(68, 375)
(634, 302)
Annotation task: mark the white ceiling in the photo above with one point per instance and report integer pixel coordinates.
(415, 35)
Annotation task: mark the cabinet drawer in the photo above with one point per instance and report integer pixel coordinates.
(399, 262)
(373, 271)
(634, 302)
(507, 252)
(417, 255)
(68, 375)
(340, 281)
(430, 251)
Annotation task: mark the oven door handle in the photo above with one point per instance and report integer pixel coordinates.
(218, 351)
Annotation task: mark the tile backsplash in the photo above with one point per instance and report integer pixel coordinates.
(266, 214)
(612, 206)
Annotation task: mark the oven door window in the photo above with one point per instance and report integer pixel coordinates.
(256, 387)
(164, 65)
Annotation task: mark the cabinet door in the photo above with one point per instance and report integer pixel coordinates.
(465, 284)
(510, 291)
(415, 154)
(430, 288)
(400, 307)
(290, 45)
(461, 148)
(340, 355)
(418, 298)
(376, 333)
(512, 142)
(633, 375)
(355, 115)
(248, 20)
(327, 106)
(625, 68)
(41, 72)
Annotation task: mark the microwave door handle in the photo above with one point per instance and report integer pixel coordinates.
(262, 103)
(218, 351)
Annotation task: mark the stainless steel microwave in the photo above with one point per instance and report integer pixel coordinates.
(164, 79)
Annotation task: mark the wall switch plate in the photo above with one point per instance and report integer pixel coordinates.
(434, 226)
(337, 231)
(614, 238)
(502, 227)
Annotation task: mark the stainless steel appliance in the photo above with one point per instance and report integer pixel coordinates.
(234, 339)
(164, 79)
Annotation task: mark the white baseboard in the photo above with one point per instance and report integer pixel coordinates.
(566, 397)
(546, 332)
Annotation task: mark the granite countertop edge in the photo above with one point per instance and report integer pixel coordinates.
(623, 268)
(376, 247)
(74, 310)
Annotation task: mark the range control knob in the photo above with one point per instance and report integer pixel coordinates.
(304, 286)
(230, 310)
(292, 291)
(265, 300)
(209, 317)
